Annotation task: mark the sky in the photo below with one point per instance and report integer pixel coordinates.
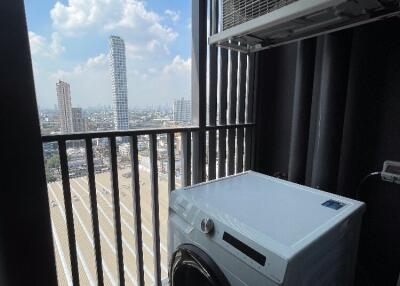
(69, 41)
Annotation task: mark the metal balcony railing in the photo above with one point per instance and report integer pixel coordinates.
(224, 167)
(220, 144)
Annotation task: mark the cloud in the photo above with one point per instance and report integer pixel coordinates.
(133, 14)
(189, 24)
(37, 42)
(96, 61)
(136, 17)
(143, 50)
(91, 64)
(178, 65)
(79, 16)
(174, 15)
(56, 47)
(134, 51)
(163, 32)
(40, 46)
(143, 30)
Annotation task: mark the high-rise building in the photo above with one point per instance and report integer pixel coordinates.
(64, 106)
(119, 83)
(182, 110)
(78, 121)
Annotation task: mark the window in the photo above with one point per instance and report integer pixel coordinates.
(106, 65)
(103, 54)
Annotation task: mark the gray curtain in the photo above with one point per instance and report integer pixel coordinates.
(328, 113)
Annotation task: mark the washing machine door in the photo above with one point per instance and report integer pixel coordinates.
(190, 265)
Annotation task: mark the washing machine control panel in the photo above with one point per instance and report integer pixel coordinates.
(222, 231)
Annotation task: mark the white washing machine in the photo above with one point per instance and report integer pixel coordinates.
(252, 229)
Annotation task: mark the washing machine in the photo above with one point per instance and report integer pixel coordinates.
(252, 229)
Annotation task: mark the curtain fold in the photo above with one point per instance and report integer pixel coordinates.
(302, 99)
(327, 109)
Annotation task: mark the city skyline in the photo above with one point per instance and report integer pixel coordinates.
(72, 119)
(157, 36)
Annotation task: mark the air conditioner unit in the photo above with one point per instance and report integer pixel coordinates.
(253, 25)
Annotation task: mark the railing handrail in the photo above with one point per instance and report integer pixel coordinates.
(134, 132)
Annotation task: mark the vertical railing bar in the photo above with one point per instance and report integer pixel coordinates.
(185, 159)
(232, 110)
(213, 81)
(93, 206)
(241, 110)
(254, 115)
(171, 161)
(155, 208)
(212, 153)
(68, 211)
(199, 156)
(213, 66)
(242, 82)
(248, 146)
(199, 88)
(223, 87)
(137, 210)
(231, 151)
(249, 116)
(117, 211)
(233, 79)
(239, 149)
(221, 153)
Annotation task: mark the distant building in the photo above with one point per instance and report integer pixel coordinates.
(119, 83)
(78, 121)
(64, 106)
(124, 150)
(182, 110)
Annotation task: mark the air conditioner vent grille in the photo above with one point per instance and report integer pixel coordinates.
(236, 12)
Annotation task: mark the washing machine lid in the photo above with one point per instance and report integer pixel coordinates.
(190, 265)
(279, 215)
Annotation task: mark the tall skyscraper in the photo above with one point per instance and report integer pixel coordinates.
(64, 106)
(78, 121)
(182, 110)
(119, 83)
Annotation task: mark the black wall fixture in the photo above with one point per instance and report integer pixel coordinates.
(26, 246)
(328, 114)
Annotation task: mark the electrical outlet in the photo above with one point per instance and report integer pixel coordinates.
(391, 172)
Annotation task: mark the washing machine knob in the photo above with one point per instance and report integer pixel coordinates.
(207, 225)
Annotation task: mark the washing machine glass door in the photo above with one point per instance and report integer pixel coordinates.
(192, 266)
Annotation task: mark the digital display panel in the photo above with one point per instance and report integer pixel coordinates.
(333, 204)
